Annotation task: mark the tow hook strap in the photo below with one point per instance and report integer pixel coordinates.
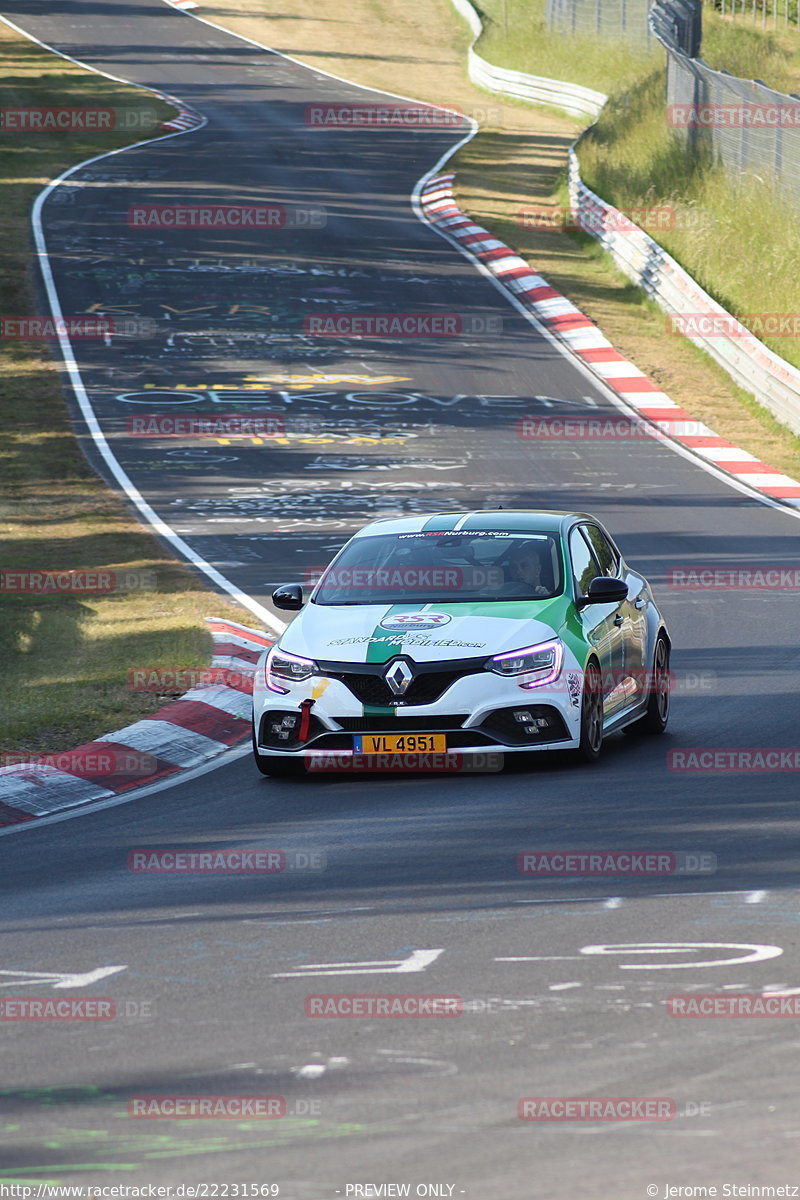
(305, 720)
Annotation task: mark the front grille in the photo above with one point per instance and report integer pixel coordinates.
(370, 724)
(429, 684)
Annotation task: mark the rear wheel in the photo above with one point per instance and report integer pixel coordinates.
(656, 715)
(277, 768)
(591, 743)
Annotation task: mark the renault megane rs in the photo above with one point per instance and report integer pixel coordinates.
(505, 631)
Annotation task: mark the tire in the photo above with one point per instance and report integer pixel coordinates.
(277, 768)
(591, 743)
(656, 715)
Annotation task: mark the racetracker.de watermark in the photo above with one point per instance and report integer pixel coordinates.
(735, 760)
(729, 325)
(698, 1005)
(721, 578)
(387, 116)
(597, 1108)
(54, 581)
(225, 216)
(367, 579)
(200, 1107)
(66, 119)
(95, 762)
(78, 1008)
(211, 425)
(616, 862)
(653, 219)
(450, 762)
(239, 861)
(181, 679)
(76, 328)
(733, 116)
(400, 1005)
(401, 325)
(600, 429)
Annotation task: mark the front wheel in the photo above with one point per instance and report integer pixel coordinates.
(591, 742)
(277, 768)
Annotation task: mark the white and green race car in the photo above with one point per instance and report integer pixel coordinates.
(463, 633)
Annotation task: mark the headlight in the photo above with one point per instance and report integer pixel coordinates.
(282, 666)
(542, 661)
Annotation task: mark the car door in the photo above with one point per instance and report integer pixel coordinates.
(629, 687)
(601, 622)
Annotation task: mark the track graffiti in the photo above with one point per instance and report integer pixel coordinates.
(253, 395)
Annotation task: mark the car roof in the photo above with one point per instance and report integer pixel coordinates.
(506, 520)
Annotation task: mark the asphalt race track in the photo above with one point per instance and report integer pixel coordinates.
(563, 979)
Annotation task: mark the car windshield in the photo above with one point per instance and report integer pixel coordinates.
(421, 568)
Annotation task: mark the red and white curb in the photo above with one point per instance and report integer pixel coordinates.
(586, 340)
(185, 5)
(187, 118)
(185, 733)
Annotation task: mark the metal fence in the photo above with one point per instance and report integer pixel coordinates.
(768, 14)
(612, 19)
(745, 125)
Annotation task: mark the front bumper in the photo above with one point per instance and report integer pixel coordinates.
(478, 712)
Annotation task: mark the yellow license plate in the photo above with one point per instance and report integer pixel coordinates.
(399, 743)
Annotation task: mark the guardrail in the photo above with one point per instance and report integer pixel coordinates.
(773, 382)
(536, 89)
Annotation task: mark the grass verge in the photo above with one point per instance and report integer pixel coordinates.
(66, 657)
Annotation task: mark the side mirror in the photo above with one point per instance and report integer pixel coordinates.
(603, 590)
(288, 596)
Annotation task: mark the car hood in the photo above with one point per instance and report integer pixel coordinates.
(424, 633)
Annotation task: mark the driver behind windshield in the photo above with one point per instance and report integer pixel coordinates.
(524, 573)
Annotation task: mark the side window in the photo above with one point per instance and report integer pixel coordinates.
(604, 552)
(584, 564)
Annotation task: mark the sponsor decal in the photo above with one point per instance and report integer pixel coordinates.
(469, 534)
(574, 688)
(417, 620)
(405, 639)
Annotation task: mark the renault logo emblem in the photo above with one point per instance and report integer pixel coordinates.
(398, 676)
